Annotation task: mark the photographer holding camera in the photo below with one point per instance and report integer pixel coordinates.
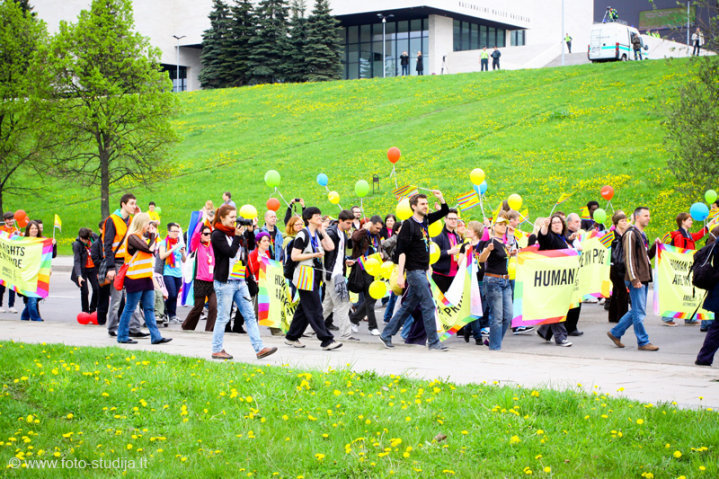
(290, 208)
(232, 240)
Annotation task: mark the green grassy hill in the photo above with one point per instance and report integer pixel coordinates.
(535, 132)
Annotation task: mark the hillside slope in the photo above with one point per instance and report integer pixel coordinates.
(536, 132)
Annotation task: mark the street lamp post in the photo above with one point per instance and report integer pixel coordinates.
(177, 76)
(384, 42)
(563, 33)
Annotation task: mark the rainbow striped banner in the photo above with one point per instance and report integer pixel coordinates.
(405, 191)
(238, 271)
(305, 277)
(26, 264)
(275, 306)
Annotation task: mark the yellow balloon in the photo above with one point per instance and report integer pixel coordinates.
(477, 176)
(248, 212)
(514, 201)
(386, 270)
(434, 252)
(435, 228)
(512, 267)
(403, 210)
(372, 267)
(378, 289)
(393, 282)
(334, 197)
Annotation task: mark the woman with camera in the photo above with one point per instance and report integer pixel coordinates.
(232, 240)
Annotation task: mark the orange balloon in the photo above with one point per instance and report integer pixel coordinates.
(19, 215)
(393, 154)
(273, 204)
(22, 222)
(607, 192)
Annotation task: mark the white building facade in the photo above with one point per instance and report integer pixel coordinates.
(450, 33)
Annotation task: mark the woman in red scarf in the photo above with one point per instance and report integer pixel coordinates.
(203, 288)
(172, 251)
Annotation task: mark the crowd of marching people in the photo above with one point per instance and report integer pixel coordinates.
(130, 273)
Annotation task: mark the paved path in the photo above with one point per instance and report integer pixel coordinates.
(663, 376)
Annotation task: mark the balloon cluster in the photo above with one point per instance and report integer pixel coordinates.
(21, 218)
(87, 318)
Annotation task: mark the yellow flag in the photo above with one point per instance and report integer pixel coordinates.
(58, 223)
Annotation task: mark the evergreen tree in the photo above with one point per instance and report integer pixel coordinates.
(215, 45)
(25, 6)
(242, 29)
(270, 47)
(323, 54)
(296, 66)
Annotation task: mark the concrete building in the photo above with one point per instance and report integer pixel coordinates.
(450, 33)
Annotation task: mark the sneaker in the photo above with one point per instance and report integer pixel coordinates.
(522, 330)
(387, 342)
(374, 332)
(355, 328)
(671, 324)
(576, 332)
(565, 344)
(699, 363)
(484, 332)
(332, 327)
(221, 355)
(12, 310)
(478, 342)
(438, 347)
(649, 347)
(264, 352)
(332, 345)
(174, 319)
(2, 310)
(615, 339)
(351, 339)
(295, 343)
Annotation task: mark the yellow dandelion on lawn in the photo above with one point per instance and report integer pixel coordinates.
(547, 469)
(514, 440)
(319, 456)
(677, 454)
(640, 421)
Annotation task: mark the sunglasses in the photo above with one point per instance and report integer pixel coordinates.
(206, 234)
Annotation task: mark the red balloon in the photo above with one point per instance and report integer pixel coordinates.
(19, 215)
(22, 222)
(607, 192)
(393, 154)
(273, 204)
(83, 318)
(93, 318)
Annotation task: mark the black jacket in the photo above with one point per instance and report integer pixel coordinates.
(79, 253)
(331, 257)
(224, 251)
(443, 264)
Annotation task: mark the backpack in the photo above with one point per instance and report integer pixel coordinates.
(703, 273)
(620, 267)
(288, 268)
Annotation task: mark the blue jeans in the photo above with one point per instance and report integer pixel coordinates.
(390, 307)
(405, 70)
(173, 285)
(147, 300)
(499, 299)
(635, 316)
(418, 293)
(237, 292)
(30, 311)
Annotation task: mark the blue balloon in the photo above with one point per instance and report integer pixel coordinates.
(699, 211)
(322, 179)
(483, 188)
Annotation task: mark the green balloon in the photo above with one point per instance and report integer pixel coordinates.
(272, 178)
(600, 215)
(710, 196)
(158, 210)
(361, 188)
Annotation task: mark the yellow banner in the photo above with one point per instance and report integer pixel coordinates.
(593, 275)
(545, 287)
(275, 307)
(674, 295)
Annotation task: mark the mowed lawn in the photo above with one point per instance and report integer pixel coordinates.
(537, 133)
(158, 415)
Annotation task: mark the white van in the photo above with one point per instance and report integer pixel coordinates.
(611, 42)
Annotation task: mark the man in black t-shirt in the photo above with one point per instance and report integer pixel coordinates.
(413, 248)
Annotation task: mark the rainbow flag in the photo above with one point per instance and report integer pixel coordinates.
(263, 297)
(467, 201)
(667, 238)
(713, 214)
(41, 263)
(562, 198)
(606, 239)
(58, 223)
(405, 191)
